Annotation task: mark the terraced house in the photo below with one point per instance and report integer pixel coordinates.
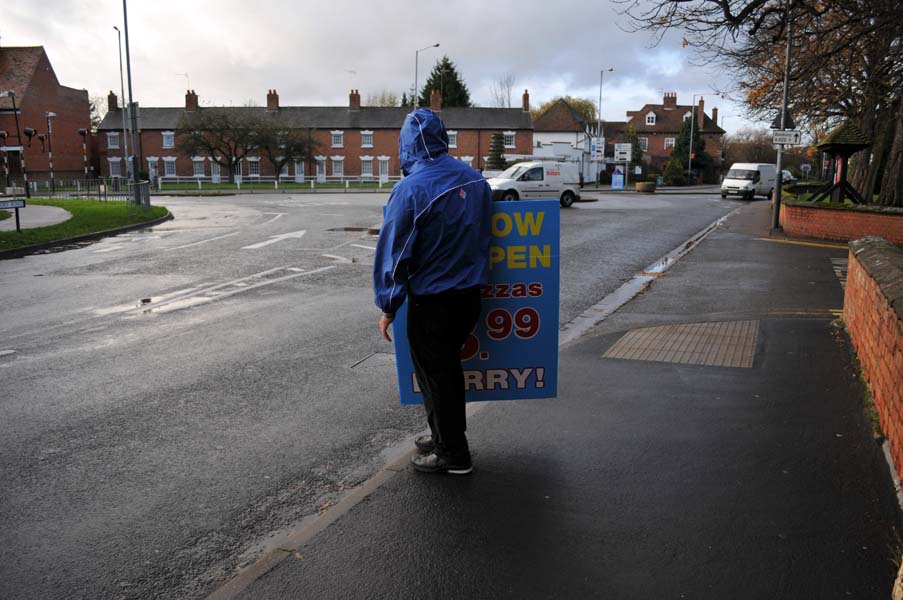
(352, 142)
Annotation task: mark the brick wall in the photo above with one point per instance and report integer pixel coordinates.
(873, 314)
(840, 224)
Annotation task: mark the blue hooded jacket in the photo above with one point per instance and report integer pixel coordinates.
(435, 233)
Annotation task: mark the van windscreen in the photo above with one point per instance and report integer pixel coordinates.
(512, 172)
(741, 174)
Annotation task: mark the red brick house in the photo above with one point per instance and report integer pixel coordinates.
(355, 141)
(27, 72)
(658, 126)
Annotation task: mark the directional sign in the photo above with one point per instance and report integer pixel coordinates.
(791, 138)
(276, 238)
(623, 152)
(15, 203)
(597, 148)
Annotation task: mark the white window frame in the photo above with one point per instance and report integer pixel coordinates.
(452, 138)
(337, 137)
(467, 160)
(283, 171)
(321, 167)
(644, 143)
(364, 143)
(340, 162)
(367, 161)
(253, 165)
(115, 161)
(215, 170)
(113, 140)
(650, 118)
(512, 135)
(688, 115)
(167, 161)
(669, 142)
(172, 139)
(195, 160)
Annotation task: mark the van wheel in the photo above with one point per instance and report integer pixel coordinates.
(567, 199)
(723, 196)
(510, 195)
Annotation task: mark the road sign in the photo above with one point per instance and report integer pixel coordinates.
(597, 148)
(15, 203)
(791, 138)
(623, 152)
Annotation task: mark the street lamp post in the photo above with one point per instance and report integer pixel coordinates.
(416, 64)
(12, 96)
(779, 175)
(690, 149)
(134, 115)
(3, 136)
(48, 116)
(84, 133)
(125, 142)
(599, 120)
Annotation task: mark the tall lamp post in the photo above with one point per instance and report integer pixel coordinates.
(48, 116)
(779, 174)
(690, 152)
(12, 96)
(84, 133)
(3, 136)
(125, 142)
(416, 64)
(134, 113)
(599, 120)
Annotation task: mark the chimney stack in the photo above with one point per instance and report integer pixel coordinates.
(191, 101)
(272, 100)
(670, 101)
(112, 101)
(435, 100)
(525, 105)
(700, 115)
(354, 100)
(715, 115)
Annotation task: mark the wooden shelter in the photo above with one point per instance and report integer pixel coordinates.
(841, 144)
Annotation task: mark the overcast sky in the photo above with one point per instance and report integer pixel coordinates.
(313, 53)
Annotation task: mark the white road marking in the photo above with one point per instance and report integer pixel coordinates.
(274, 218)
(110, 249)
(213, 239)
(364, 247)
(276, 238)
(340, 259)
(7, 352)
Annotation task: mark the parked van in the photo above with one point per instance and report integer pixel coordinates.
(749, 180)
(538, 180)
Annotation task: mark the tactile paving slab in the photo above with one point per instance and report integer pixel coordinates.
(721, 344)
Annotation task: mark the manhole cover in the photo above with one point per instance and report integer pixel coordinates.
(723, 344)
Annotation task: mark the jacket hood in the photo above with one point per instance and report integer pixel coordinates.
(422, 139)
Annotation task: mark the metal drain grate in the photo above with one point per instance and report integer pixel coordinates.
(723, 344)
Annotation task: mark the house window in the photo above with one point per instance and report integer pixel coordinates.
(169, 166)
(113, 141)
(169, 139)
(509, 139)
(366, 166)
(650, 118)
(644, 143)
(198, 166)
(338, 139)
(687, 116)
(283, 170)
(115, 167)
(253, 167)
(452, 139)
(366, 139)
(321, 166)
(214, 169)
(383, 166)
(338, 166)
(467, 160)
(669, 143)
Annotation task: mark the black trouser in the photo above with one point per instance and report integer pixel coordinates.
(438, 326)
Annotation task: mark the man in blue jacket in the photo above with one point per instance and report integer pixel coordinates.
(433, 251)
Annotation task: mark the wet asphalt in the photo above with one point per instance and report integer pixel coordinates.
(650, 479)
(148, 451)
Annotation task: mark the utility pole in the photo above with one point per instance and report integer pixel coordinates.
(128, 66)
(778, 184)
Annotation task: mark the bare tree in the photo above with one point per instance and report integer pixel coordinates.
(226, 135)
(283, 145)
(383, 98)
(501, 89)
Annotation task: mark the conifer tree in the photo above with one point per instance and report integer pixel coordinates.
(445, 78)
(495, 160)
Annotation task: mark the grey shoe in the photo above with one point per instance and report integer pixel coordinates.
(433, 463)
(425, 443)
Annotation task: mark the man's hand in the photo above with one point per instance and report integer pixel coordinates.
(384, 322)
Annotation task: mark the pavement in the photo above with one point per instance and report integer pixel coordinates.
(646, 477)
(35, 215)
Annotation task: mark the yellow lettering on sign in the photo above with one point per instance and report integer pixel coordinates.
(529, 223)
(501, 224)
(542, 257)
(496, 255)
(517, 257)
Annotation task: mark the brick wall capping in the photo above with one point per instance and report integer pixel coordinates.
(867, 208)
(884, 263)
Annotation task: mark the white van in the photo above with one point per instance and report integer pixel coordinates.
(538, 180)
(749, 180)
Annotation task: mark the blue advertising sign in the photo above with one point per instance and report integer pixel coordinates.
(617, 179)
(512, 353)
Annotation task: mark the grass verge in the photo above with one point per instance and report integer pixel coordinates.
(5, 215)
(88, 216)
